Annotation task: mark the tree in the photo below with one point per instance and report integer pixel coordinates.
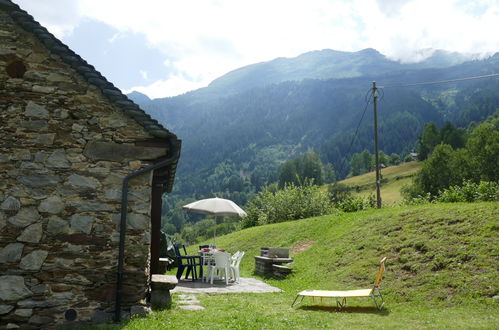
(367, 161)
(483, 144)
(394, 159)
(262, 176)
(303, 169)
(452, 136)
(383, 159)
(178, 219)
(310, 167)
(408, 158)
(329, 175)
(288, 173)
(362, 162)
(169, 229)
(447, 167)
(436, 173)
(356, 164)
(430, 138)
(234, 183)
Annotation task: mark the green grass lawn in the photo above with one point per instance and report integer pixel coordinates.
(394, 178)
(273, 311)
(441, 272)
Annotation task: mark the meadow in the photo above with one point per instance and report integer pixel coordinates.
(441, 272)
(393, 179)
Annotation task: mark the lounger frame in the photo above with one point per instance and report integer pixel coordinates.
(341, 296)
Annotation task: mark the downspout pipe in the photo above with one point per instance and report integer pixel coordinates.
(175, 154)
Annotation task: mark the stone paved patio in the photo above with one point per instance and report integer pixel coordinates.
(246, 284)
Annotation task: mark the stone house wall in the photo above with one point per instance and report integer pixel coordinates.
(64, 151)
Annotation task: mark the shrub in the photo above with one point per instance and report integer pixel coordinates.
(339, 192)
(419, 199)
(342, 199)
(470, 192)
(485, 191)
(291, 203)
(357, 204)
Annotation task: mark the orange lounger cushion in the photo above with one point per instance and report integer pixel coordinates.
(336, 294)
(341, 295)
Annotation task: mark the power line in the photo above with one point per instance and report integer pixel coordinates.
(369, 94)
(441, 81)
(367, 98)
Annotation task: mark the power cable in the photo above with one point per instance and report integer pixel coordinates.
(367, 99)
(369, 95)
(441, 81)
(382, 92)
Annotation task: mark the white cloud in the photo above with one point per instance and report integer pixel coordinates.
(421, 24)
(48, 13)
(205, 39)
(172, 86)
(143, 74)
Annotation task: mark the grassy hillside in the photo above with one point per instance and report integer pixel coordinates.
(443, 252)
(441, 272)
(393, 178)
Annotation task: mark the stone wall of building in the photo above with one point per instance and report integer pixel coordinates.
(64, 151)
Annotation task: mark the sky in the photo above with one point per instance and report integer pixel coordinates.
(165, 48)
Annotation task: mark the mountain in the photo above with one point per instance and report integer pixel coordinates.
(324, 64)
(238, 130)
(139, 98)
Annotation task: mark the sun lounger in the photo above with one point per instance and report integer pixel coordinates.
(342, 295)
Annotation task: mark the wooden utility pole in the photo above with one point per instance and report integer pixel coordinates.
(376, 152)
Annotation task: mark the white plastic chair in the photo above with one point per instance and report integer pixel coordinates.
(234, 267)
(234, 257)
(222, 264)
(208, 262)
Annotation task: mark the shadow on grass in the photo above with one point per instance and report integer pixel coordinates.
(124, 322)
(346, 310)
(270, 277)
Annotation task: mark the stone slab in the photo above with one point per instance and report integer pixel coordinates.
(274, 260)
(163, 282)
(282, 268)
(191, 307)
(278, 252)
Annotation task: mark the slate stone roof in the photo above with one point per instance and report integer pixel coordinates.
(86, 70)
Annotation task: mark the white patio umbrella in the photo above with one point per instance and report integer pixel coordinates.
(215, 206)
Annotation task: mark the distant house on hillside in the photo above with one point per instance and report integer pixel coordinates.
(69, 142)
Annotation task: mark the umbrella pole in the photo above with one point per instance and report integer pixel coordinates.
(217, 219)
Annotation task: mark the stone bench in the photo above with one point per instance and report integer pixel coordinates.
(264, 265)
(160, 290)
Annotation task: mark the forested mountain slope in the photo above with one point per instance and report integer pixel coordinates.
(239, 129)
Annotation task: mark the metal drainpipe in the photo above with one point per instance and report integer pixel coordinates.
(124, 206)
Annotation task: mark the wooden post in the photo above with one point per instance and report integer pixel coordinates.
(376, 151)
